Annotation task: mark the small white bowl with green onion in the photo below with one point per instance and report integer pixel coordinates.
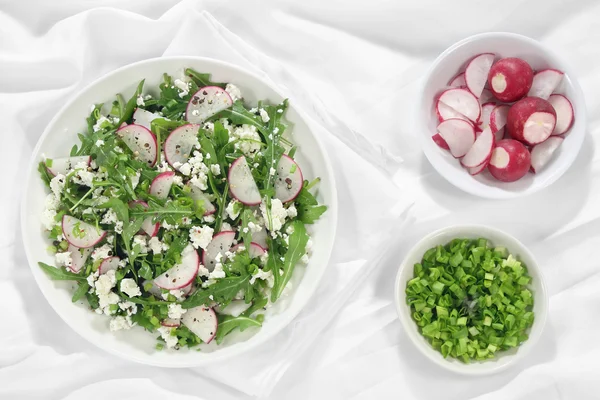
(471, 298)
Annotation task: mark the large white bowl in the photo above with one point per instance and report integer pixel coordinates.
(449, 64)
(497, 238)
(137, 344)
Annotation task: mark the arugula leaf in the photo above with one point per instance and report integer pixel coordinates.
(239, 115)
(258, 304)
(59, 274)
(202, 80)
(83, 288)
(131, 104)
(309, 214)
(228, 323)
(296, 250)
(92, 300)
(44, 173)
(247, 216)
(221, 135)
(119, 207)
(223, 291)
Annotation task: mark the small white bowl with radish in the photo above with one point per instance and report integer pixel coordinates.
(501, 115)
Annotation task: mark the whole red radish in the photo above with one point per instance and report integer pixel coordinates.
(510, 79)
(531, 120)
(510, 160)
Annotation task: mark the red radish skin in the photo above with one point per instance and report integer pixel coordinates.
(510, 79)
(477, 72)
(510, 160)
(545, 82)
(458, 81)
(479, 169)
(531, 120)
(78, 257)
(161, 184)
(498, 117)
(141, 141)
(110, 263)
(480, 151)
(458, 134)
(445, 112)
(206, 102)
(242, 184)
(439, 140)
(255, 251)
(202, 321)
(565, 116)
(181, 274)
(542, 153)
(288, 179)
(180, 143)
(463, 102)
(81, 234)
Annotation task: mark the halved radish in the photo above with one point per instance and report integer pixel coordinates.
(220, 243)
(78, 257)
(510, 160)
(180, 143)
(486, 97)
(198, 195)
(481, 149)
(288, 179)
(170, 322)
(255, 250)
(235, 308)
(260, 237)
(463, 102)
(477, 71)
(564, 113)
(65, 164)
(148, 226)
(242, 184)
(140, 141)
(202, 321)
(458, 81)
(486, 112)
(206, 102)
(439, 140)
(459, 134)
(144, 118)
(161, 184)
(498, 117)
(479, 169)
(510, 79)
(531, 120)
(542, 153)
(181, 274)
(445, 112)
(545, 82)
(109, 263)
(81, 234)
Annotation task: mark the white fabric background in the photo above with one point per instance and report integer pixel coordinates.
(353, 67)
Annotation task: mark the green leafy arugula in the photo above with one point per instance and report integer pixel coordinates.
(296, 250)
(59, 274)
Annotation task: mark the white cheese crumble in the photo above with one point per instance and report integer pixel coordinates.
(176, 311)
(215, 169)
(130, 288)
(234, 92)
(249, 139)
(201, 236)
(183, 87)
(264, 115)
(218, 272)
(99, 143)
(140, 240)
(265, 276)
(120, 323)
(102, 252)
(57, 184)
(292, 212)
(140, 101)
(156, 246)
(278, 215)
(233, 209)
(63, 259)
(165, 333)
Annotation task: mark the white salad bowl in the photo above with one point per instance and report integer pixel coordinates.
(449, 64)
(137, 344)
(503, 359)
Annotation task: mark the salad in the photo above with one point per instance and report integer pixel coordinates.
(471, 301)
(181, 210)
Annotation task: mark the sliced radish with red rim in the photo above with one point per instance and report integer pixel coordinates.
(445, 112)
(479, 169)
(476, 73)
(542, 153)
(202, 321)
(458, 134)
(161, 184)
(260, 237)
(170, 322)
(545, 82)
(220, 243)
(207, 102)
(149, 227)
(288, 179)
(198, 195)
(65, 164)
(462, 101)
(564, 113)
(181, 274)
(439, 140)
(140, 141)
(255, 250)
(144, 118)
(458, 81)
(180, 143)
(481, 149)
(109, 264)
(81, 234)
(242, 184)
(486, 112)
(498, 117)
(78, 257)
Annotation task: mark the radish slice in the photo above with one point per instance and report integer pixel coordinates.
(486, 112)
(459, 134)
(161, 185)
(542, 153)
(153, 290)
(198, 195)
(260, 237)
(255, 250)
(206, 102)
(188, 289)
(439, 140)
(499, 135)
(235, 308)
(78, 257)
(463, 102)
(109, 263)
(180, 143)
(458, 81)
(479, 169)
(486, 97)
(445, 112)
(545, 82)
(220, 243)
(564, 113)
(477, 71)
(141, 141)
(144, 118)
(81, 234)
(288, 179)
(181, 274)
(65, 164)
(148, 226)
(242, 184)
(170, 322)
(481, 150)
(202, 321)
(498, 117)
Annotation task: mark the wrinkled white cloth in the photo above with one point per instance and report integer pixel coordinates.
(353, 68)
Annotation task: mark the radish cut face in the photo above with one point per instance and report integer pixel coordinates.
(510, 161)
(458, 81)
(463, 102)
(220, 243)
(206, 102)
(498, 117)
(500, 158)
(260, 237)
(439, 140)
(242, 184)
(81, 234)
(198, 195)
(486, 97)
(65, 164)
(78, 257)
(481, 149)
(140, 141)
(486, 113)
(545, 82)
(538, 127)
(477, 71)
(531, 120)
(254, 251)
(445, 112)
(564, 113)
(542, 153)
(180, 143)
(288, 179)
(181, 274)
(477, 170)
(108, 264)
(188, 289)
(161, 185)
(144, 118)
(202, 321)
(459, 134)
